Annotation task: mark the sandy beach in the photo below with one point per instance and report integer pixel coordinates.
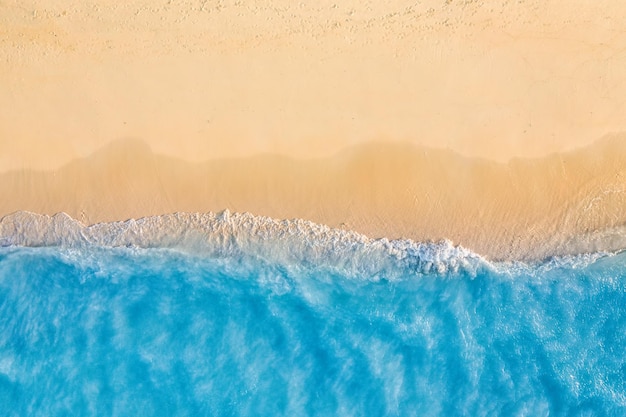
(201, 80)
(490, 124)
(313, 208)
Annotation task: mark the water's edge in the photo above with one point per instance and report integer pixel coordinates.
(281, 241)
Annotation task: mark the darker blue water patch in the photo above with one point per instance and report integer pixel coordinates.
(120, 332)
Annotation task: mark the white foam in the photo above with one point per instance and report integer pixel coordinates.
(295, 242)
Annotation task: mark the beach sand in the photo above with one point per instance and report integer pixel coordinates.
(201, 80)
(467, 120)
(524, 209)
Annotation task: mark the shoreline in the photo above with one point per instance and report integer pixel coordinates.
(286, 241)
(527, 209)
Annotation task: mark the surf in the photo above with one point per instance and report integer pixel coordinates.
(231, 314)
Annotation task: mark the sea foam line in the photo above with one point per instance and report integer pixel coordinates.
(236, 234)
(288, 242)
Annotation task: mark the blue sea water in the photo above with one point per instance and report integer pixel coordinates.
(161, 332)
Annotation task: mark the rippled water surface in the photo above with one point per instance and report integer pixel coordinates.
(118, 332)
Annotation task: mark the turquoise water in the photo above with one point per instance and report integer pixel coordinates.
(150, 332)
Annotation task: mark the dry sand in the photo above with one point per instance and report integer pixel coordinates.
(205, 79)
(525, 209)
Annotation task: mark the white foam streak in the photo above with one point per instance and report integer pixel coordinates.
(233, 234)
(294, 242)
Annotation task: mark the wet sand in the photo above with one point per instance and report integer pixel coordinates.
(524, 209)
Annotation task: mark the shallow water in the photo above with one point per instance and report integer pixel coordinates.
(124, 331)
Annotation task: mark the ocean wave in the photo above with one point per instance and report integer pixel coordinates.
(296, 242)
(188, 311)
